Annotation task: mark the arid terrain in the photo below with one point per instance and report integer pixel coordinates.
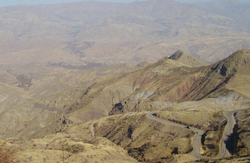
(86, 33)
(107, 82)
(158, 112)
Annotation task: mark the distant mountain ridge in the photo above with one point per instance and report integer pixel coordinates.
(109, 33)
(66, 69)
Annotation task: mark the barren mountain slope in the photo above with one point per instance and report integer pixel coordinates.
(145, 139)
(161, 86)
(70, 82)
(34, 96)
(229, 74)
(233, 9)
(154, 87)
(158, 86)
(69, 147)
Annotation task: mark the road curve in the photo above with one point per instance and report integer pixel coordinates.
(196, 138)
(227, 132)
(198, 133)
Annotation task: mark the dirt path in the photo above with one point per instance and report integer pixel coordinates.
(198, 133)
(196, 138)
(227, 132)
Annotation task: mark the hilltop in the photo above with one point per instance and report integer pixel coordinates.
(229, 74)
(238, 62)
(186, 59)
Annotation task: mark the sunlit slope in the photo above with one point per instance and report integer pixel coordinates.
(231, 73)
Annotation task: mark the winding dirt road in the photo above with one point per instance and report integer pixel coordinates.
(227, 132)
(196, 138)
(198, 133)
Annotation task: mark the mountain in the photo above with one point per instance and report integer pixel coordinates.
(193, 95)
(228, 74)
(104, 82)
(83, 95)
(238, 62)
(34, 96)
(236, 10)
(87, 34)
(44, 94)
(186, 59)
(110, 109)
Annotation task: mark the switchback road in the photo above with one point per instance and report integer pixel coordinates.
(196, 139)
(198, 133)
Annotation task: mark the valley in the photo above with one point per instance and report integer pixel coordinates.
(154, 81)
(137, 114)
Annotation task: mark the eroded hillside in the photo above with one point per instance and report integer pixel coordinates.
(170, 110)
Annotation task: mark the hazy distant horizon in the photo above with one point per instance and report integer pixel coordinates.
(34, 2)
